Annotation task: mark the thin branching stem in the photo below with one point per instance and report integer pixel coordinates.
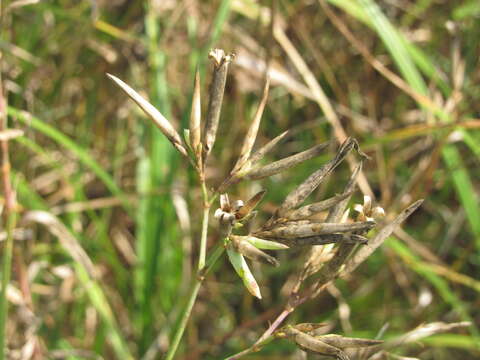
(8, 212)
(201, 271)
(203, 238)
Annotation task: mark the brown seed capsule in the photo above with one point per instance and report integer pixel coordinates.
(336, 212)
(312, 209)
(342, 342)
(286, 163)
(326, 239)
(312, 344)
(260, 153)
(287, 231)
(217, 90)
(297, 196)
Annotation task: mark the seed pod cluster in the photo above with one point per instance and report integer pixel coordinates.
(298, 226)
(331, 345)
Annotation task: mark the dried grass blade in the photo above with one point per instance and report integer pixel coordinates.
(253, 130)
(162, 123)
(286, 163)
(67, 240)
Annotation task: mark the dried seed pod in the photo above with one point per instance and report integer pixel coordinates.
(309, 327)
(297, 196)
(244, 247)
(286, 163)
(195, 118)
(342, 342)
(242, 269)
(252, 131)
(312, 209)
(310, 343)
(335, 214)
(260, 153)
(287, 231)
(217, 89)
(160, 121)
(327, 239)
(250, 205)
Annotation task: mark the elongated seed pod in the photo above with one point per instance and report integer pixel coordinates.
(312, 344)
(286, 163)
(312, 209)
(195, 118)
(253, 130)
(336, 212)
(295, 231)
(298, 195)
(265, 149)
(342, 342)
(217, 89)
(326, 239)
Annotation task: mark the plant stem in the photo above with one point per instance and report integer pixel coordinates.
(6, 271)
(185, 317)
(255, 347)
(198, 279)
(9, 213)
(203, 238)
(191, 301)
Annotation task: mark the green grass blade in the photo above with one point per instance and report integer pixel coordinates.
(159, 270)
(363, 13)
(464, 188)
(395, 44)
(64, 141)
(442, 286)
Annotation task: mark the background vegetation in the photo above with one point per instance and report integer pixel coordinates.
(401, 76)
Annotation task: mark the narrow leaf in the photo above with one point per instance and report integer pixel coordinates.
(162, 123)
(253, 130)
